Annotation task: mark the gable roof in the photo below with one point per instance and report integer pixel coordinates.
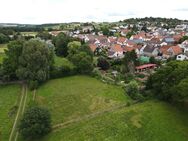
(116, 48)
(149, 48)
(127, 49)
(169, 40)
(176, 49)
(121, 39)
(164, 49)
(130, 43)
(93, 47)
(112, 39)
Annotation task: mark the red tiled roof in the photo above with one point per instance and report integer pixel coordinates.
(92, 47)
(177, 50)
(112, 39)
(131, 43)
(146, 66)
(117, 48)
(164, 49)
(121, 39)
(177, 37)
(127, 49)
(142, 34)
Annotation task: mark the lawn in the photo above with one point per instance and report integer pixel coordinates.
(3, 47)
(29, 33)
(2, 55)
(77, 96)
(70, 97)
(8, 106)
(148, 121)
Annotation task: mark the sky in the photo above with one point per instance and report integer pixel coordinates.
(60, 11)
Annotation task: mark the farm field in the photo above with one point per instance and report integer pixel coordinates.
(9, 99)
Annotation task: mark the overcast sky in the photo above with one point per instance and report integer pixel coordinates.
(58, 11)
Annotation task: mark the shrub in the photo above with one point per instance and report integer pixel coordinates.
(35, 123)
(103, 63)
(96, 73)
(33, 84)
(132, 90)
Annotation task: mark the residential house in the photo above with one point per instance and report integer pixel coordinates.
(87, 29)
(181, 27)
(177, 38)
(124, 32)
(170, 51)
(181, 57)
(116, 51)
(149, 50)
(130, 43)
(93, 47)
(169, 40)
(174, 50)
(121, 40)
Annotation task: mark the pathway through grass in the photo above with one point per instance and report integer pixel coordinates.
(14, 132)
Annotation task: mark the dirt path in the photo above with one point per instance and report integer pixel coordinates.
(19, 113)
(86, 117)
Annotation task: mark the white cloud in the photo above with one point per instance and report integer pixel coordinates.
(52, 11)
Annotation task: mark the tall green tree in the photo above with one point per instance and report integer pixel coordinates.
(130, 61)
(61, 44)
(11, 61)
(170, 81)
(44, 35)
(81, 56)
(35, 62)
(105, 30)
(3, 38)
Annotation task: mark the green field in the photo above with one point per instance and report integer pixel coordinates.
(148, 121)
(84, 104)
(71, 97)
(29, 33)
(3, 47)
(9, 96)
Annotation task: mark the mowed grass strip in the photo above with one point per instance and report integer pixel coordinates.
(148, 121)
(9, 100)
(70, 97)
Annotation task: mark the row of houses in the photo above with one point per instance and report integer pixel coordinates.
(159, 42)
(144, 44)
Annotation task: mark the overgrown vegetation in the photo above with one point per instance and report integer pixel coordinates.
(170, 82)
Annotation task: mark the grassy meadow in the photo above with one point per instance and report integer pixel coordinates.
(29, 33)
(9, 100)
(148, 121)
(76, 97)
(70, 97)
